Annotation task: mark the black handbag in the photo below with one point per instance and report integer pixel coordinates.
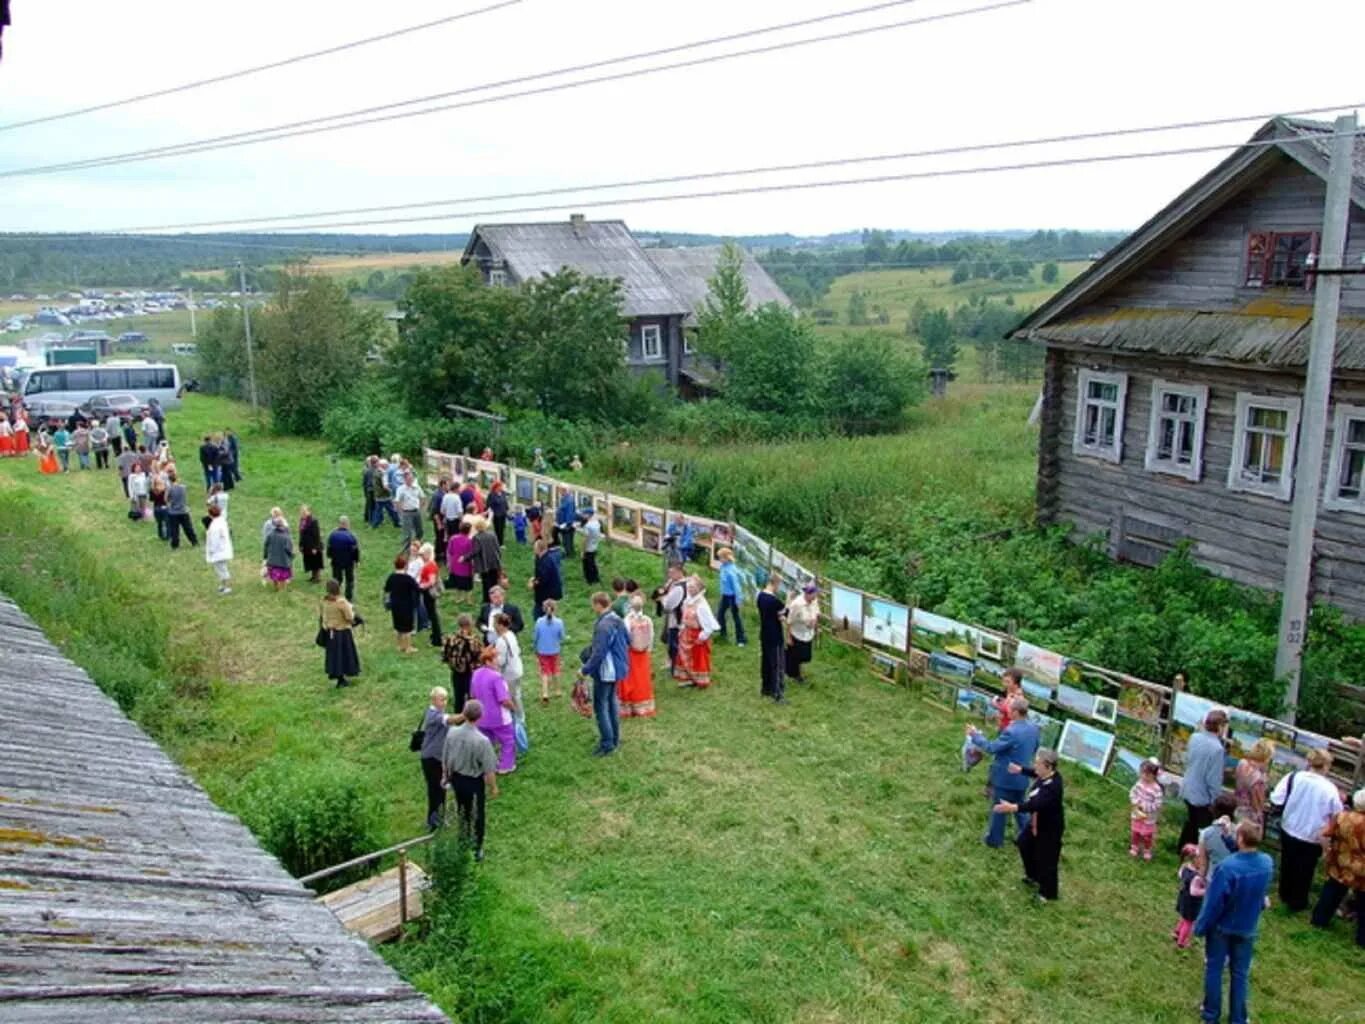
(417, 738)
(321, 638)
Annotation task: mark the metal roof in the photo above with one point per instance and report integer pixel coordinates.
(126, 895)
(688, 271)
(597, 248)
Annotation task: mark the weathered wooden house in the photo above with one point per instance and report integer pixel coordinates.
(662, 289)
(1175, 372)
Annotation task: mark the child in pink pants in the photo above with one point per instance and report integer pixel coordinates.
(1145, 797)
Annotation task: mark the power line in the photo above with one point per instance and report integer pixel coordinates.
(257, 69)
(314, 126)
(804, 186)
(771, 169)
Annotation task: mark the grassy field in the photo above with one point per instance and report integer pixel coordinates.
(736, 861)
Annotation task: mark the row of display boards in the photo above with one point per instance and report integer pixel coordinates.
(1106, 721)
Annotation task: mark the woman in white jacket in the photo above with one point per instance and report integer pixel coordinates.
(218, 547)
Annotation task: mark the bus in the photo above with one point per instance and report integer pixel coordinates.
(77, 384)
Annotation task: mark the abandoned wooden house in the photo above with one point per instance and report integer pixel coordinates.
(662, 289)
(1175, 373)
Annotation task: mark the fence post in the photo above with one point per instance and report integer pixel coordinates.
(1177, 688)
(1359, 780)
(403, 887)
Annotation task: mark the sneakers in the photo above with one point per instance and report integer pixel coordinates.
(224, 590)
(1132, 851)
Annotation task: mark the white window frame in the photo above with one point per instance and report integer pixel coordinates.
(497, 278)
(1284, 487)
(1154, 462)
(654, 331)
(1109, 453)
(688, 347)
(1331, 499)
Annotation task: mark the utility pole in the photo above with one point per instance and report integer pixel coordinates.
(194, 330)
(1298, 566)
(250, 353)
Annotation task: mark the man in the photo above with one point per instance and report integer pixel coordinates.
(159, 418)
(178, 513)
(485, 558)
(606, 665)
(1308, 801)
(367, 486)
(470, 765)
(731, 594)
(1017, 744)
(1228, 922)
(114, 426)
(151, 433)
(408, 498)
(452, 510)
(1203, 776)
(343, 552)
(99, 440)
(772, 640)
(234, 448)
(208, 461)
(127, 458)
(490, 610)
(566, 520)
(592, 537)
(670, 599)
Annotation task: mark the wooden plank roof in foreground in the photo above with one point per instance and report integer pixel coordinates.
(125, 894)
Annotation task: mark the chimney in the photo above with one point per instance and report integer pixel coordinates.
(577, 221)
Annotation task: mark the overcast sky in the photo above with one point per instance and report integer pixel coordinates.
(1045, 68)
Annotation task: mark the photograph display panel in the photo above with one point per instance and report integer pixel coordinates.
(846, 613)
(624, 523)
(1086, 745)
(886, 624)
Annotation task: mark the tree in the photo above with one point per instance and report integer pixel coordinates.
(857, 309)
(772, 366)
(936, 337)
(1049, 273)
(917, 314)
(313, 344)
(222, 353)
(867, 383)
(726, 309)
(962, 272)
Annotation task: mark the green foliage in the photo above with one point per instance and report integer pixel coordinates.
(936, 337)
(962, 272)
(857, 309)
(311, 814)
(727, 299)
(370, 418)
(312, 342)
(222, 354)
(868, 382)
(1049, 274)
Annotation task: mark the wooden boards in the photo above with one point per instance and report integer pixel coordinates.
(370, 908)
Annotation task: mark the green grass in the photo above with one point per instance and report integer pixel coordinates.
(734, 862)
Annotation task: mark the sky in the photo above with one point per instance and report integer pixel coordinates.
(1041, 68)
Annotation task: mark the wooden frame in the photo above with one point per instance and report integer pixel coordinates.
(1199, 393)
(617, 532)
(1084, 378)
(1284, 487)
(1342, 417)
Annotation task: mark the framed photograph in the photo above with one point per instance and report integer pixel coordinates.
(1124, 768)
(602, 506)
(545, 494)
(1076, 701)
(988, 646)
(486, 478)
(1191, 710)
(975, 703)
(846, 613)
(951, 667)
(1039, 693)
(1140, 703)
(651, 528)
(886, 624)
(1049, 729)
(932, 632)
(1040, 664)
(886, 667)
(525, 488)
(624, 523)
(1086, 745)
(1106, 710)
(722, 536)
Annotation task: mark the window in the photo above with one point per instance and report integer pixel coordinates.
(1175, 439)
(1346, 468)
(82, 380)
(688, 346)
(113, 380)
(1263, 445)
(1099, 415)
(497, 278)
(651, 343)
(1279, 259)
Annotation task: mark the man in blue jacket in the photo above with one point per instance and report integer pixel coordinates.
(1228, 922)
(343, 551)
(607, 664)
(1016, 744)
(566, 519)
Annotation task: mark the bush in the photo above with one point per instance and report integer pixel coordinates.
(369, 418)
(310, 815)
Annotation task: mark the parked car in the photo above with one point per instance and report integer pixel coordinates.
(119, 403)
(43, 409)
(132, 338)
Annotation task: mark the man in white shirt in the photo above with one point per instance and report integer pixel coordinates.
(1309, 800)
(408, 500)
(150, 432)
(592, 537)
(115, 427)
(451, 510)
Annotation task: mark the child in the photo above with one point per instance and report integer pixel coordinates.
(137, 492)
(1146, 798)
(535, 515)
(549, 634)
(519, 524)
(1191, 897)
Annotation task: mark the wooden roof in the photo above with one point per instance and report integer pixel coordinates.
(689, 269)
(126, 895)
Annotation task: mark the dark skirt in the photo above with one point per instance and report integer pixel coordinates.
(797, 655)
(464, 583)
(404, 618)
(341, 659)
(312, 561)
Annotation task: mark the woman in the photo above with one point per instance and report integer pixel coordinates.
(461, 652)
(415, 565)
(490, 689)
(1309, 801)
(310, 543)
(20, 433)
(279, 555)
(6, 435)
(336, 619)
(803, 616)
(509, 663)
(217, 498)
(157, 487)
(497, 508)
(1344, 839)
(47, 454)
(401, 597)
(771, 640)
(429, 583)
(547, 580)
(1250, 782)
(693, 666)
(1040, 845)
(460, 576)
(218, 548)
(486, 557)
(636, 692)
(435, 724)
(549, 638)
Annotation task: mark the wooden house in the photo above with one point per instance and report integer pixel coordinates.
(662, 289)
(1175, 372)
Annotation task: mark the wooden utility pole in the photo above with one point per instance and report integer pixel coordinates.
(1317, 392)
(250, 353)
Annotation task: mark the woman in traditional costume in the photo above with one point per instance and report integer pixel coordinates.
(636, 692)
(6, 436)
(693, 666)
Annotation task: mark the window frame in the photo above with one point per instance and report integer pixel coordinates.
(1110, 453)
(646, 330)
(1283, 489)
(1152, 461)
(689, 347)
(497, 277)
(1266, 259)
(1331, 500)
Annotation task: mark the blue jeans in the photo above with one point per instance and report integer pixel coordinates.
(64, 456)
(608, 713)
(380, 508)
(995, 834)
(729, 602)
(1235, 951)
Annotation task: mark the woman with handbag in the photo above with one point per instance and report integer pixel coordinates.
(335, 619)
(429, 741)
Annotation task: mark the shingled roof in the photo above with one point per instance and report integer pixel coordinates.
(126, 895)
(688, 271)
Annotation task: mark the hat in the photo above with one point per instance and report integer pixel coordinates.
(811, 588)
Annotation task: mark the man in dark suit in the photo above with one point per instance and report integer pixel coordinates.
(497, 605)
(343, 551)
(1016, 745)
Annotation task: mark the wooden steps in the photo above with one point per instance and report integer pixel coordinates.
(370, 908)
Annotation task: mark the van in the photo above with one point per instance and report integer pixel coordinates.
(77, 384)
(184, 348)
